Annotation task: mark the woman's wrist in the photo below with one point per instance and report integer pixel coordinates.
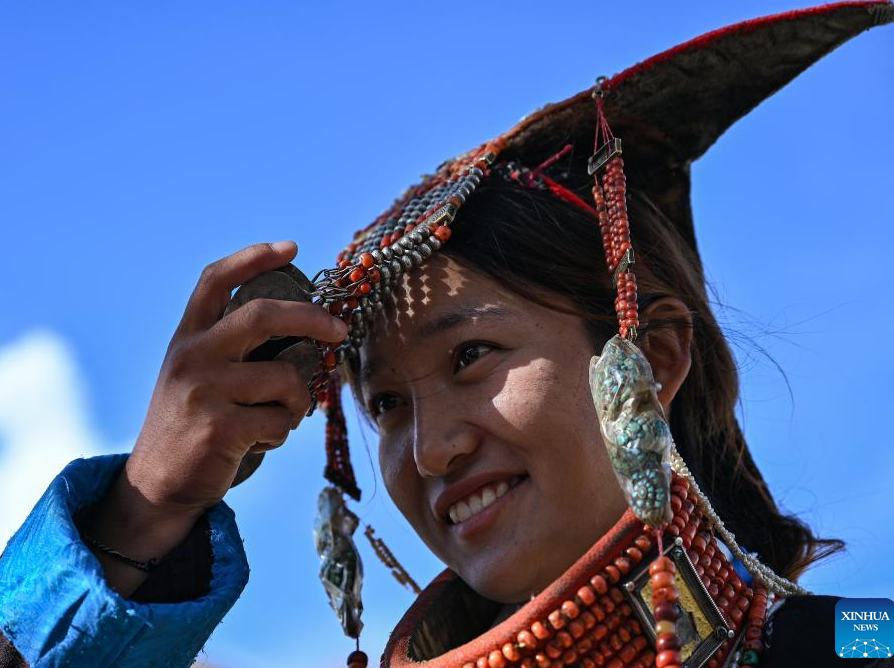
(128, 523)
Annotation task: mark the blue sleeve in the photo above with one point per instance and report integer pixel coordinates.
(55, 605)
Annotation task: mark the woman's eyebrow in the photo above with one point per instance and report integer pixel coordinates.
(460, 316)
(440, 324)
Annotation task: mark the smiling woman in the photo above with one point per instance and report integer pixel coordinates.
(486, 394)
(601, 515)
(475, 422)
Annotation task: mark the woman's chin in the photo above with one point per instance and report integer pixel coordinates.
(509, 576)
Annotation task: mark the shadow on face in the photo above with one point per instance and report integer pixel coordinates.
(488, 440)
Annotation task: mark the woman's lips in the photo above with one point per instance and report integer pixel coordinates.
(479, 509)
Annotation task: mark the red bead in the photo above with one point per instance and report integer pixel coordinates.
(553, 650)
(358, 657)
(586, 596)
(366, 260)
(666, 658)
(661, 564)
(556, 620)
(443, 233)
(667, 641)
(669, 594)
(496, 660)
(540, 632)
(570, 609)
(599, 584)
(634, 553)
(510, 651)
(527, 640)
(356, 275)
(627, 653)
(666, 611)
(364, 288)
(613, 573)
(662, 579)
(623, 565)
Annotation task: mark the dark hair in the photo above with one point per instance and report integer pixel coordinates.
(535, 243)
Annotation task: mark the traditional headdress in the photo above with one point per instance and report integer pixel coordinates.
(684, 595)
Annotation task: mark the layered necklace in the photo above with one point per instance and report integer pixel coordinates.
(638, 598)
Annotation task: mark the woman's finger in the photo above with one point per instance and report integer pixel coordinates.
(218, 279)
(268, 426)
(243, 330)
(249, 383)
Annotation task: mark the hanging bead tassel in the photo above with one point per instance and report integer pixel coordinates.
(610, 198)
(338, 458)
(386, 556)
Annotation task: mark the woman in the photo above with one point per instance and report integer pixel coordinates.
(475, 375)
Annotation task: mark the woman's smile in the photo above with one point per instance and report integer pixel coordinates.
(475, 512)
(489, 443)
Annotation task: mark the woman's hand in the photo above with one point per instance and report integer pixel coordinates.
(209, 409)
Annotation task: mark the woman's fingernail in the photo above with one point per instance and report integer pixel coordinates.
(283, 246)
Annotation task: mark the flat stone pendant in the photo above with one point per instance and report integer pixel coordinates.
(700, 626)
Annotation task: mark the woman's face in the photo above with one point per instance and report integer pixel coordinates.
(489, 442)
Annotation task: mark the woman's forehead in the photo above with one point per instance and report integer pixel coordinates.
(440, 285)
(439, 296)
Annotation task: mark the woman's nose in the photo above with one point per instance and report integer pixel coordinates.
(442, 439)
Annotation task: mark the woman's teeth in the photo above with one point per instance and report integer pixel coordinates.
(477, 501)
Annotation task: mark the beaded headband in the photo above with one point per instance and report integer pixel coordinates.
(671, 108)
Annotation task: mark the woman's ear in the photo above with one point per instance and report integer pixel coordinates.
(666, 345)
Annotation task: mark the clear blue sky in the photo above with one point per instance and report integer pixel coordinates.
(140, 141)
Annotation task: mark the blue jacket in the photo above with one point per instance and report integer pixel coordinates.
(55, 606)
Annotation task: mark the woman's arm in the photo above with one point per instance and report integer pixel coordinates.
(63, 603)
(56, 608)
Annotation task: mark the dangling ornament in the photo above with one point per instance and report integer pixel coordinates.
(341, 570)
(631, 418)
(634, 429)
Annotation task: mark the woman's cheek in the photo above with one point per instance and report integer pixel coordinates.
(398, 471)
(529, 395)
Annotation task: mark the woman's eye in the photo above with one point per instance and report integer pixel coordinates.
(382, 403)
(470, 353)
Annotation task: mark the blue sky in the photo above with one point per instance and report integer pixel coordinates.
(140, 141)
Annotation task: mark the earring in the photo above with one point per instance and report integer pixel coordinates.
(634, 428)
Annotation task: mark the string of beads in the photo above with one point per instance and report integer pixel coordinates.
(386, 556)
(598, 627)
